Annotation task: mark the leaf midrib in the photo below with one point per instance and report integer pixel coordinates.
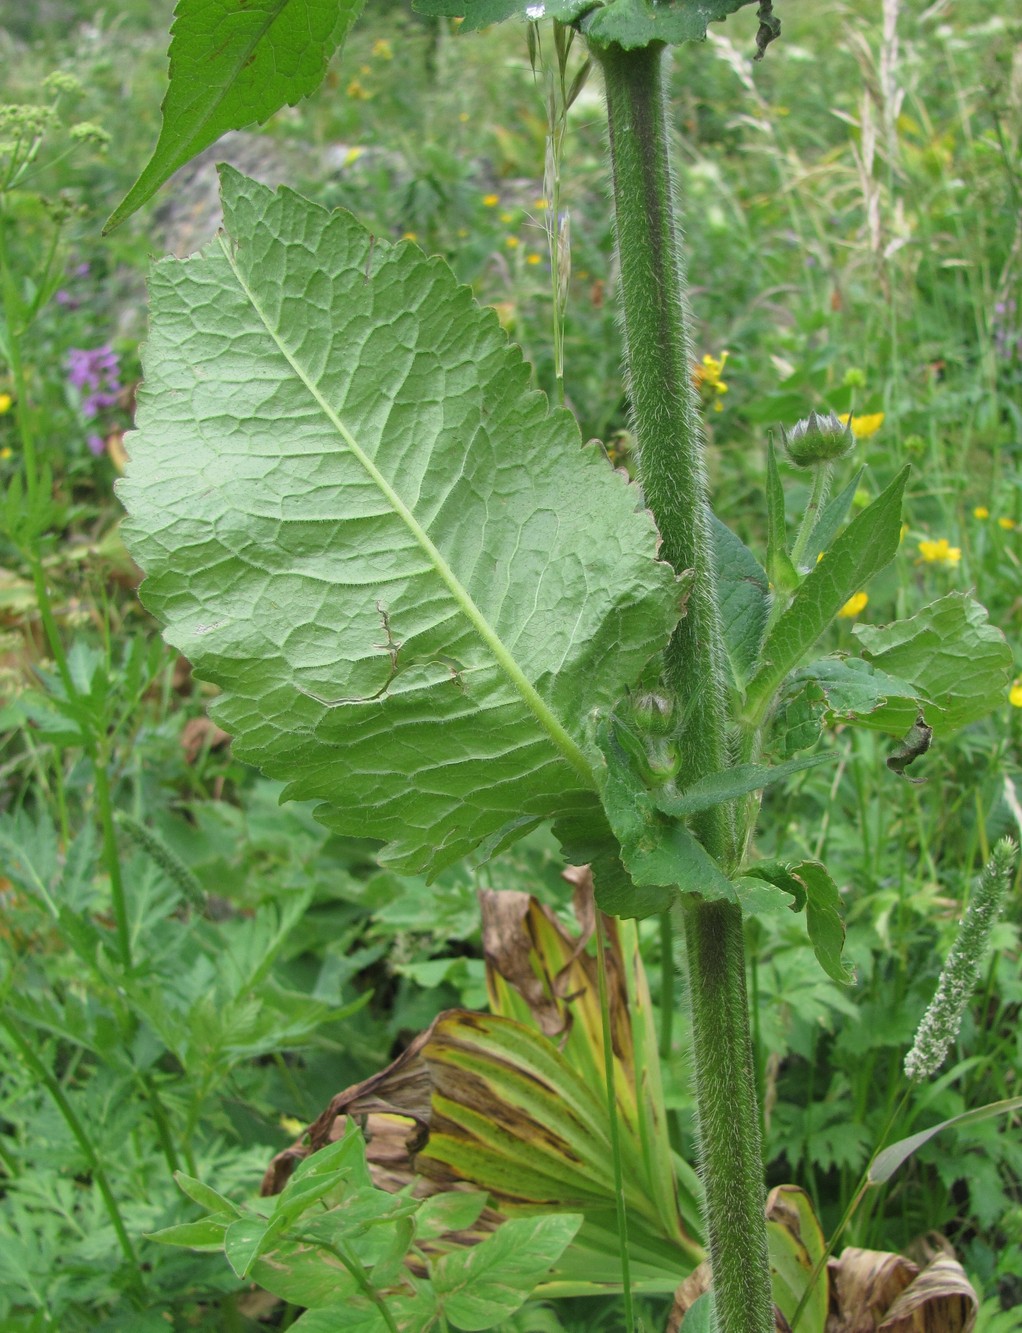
(462, 597)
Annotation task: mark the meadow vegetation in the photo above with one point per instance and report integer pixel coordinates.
(189, 969)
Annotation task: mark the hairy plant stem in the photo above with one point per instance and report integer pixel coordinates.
(671, 469)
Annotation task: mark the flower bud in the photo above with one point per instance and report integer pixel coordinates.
(818, 439)
(663, 759)
(653, 712)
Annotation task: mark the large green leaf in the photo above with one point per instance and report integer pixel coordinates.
(411, 581)
(957, 661)
(234, 64)
(630, 23)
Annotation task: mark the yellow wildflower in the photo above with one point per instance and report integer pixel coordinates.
(5, 453)
(540, 204)
(1007, 524)
(1015, 693)
(506, 218)
(940, 552)
(352, 156)
(512, 242)
(707, 378)
(464, 117)
(491, 200)
(356, 91)
(5, 403)
(981, 512)
(410, 236)
(291, 1126)
(863, 427)
(382, 49)
(534, 258)
(855, 604)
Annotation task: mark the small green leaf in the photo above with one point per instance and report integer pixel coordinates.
(206, 1234)
(810, 884)
(741, 780)
(957, 661)
(243, 1241)
(758, 898)
(868, 543)
(205, 1196)
(658, 852)
(479, 1286)
(884, 1165)
(744, 596)
(347, 1154)
(233, 65)
(448, 1212)
(849, 689)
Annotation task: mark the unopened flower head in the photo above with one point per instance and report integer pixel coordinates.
(817, 439)
(943, 1018)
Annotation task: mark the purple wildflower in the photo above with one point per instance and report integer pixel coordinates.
(97, 445)
(98, 371)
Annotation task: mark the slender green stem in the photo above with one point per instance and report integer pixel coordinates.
(817, 499)
(672, 471)
(358, 1272)
(56, 1092)
(615, 1129)
(111, 857)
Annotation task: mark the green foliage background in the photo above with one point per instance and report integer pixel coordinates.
(854, 245)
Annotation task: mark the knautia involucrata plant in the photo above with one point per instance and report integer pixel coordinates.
(431, 609)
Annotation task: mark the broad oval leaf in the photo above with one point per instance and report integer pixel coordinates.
(957, 661)
(630, 23)
(233, 65)
(410, 580)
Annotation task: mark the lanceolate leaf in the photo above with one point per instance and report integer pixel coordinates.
(234, 64)
(743, 593)
(411, 581)
(868, 543)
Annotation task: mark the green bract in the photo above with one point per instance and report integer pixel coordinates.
(411, 581)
